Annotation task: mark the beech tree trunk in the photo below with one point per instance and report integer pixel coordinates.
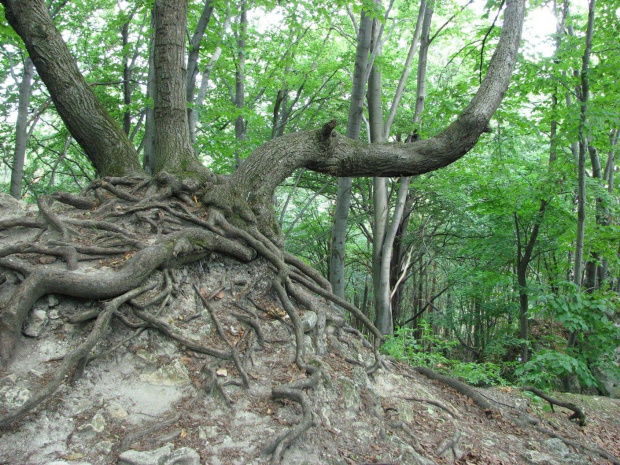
(21, 130)
(354, 122)
(583, 150)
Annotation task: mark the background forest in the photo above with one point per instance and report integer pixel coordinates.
(503, 267)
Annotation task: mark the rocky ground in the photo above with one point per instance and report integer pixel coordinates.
(147, 401)
(145, 398)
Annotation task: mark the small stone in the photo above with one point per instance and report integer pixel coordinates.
(308, 321)
(208, 432)
(184, 456)
(104, 447)
(47, 259)
(150, 457)
(535, 457)
(147, 356)
(116, 411)
(96, 425)
(174, 374)
(9, 380)
(52, 301)
(36, 323)
(557, 447)
(54, 314)
(16, 397)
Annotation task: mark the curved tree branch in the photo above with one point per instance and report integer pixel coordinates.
(331, 153)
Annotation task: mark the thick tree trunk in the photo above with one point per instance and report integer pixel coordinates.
(173, 148)
(21, 130)
(103, 141)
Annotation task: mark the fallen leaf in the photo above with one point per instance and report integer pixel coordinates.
(183, 433)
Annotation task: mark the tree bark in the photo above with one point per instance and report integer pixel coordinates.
(383, 309)
(343, 196)
(173, 148)
(583, 150)
(102, 139)
(21, 130)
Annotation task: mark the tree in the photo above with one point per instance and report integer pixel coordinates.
(233, 215)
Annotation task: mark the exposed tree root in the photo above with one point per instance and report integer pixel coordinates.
(150, 429)
(578, 416)
(488, 408)
(293, 391)
(181, 232)
(71, 360)
(436, 403)
(596, 451)
(460, 387)
(449, 449)
(233, 348)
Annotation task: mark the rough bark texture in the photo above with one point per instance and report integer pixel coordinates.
(173, 148)
(583, 150)
(104, 142)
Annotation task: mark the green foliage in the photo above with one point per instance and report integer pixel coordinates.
(547, 367)
(430, 350)
(591, 318)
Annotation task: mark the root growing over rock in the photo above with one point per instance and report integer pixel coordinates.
(120, 240)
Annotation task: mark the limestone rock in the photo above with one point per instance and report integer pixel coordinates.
(308, 321)
(174, 374)
(96, 425)
(15, 397)
(36, 323)
(165, 455)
